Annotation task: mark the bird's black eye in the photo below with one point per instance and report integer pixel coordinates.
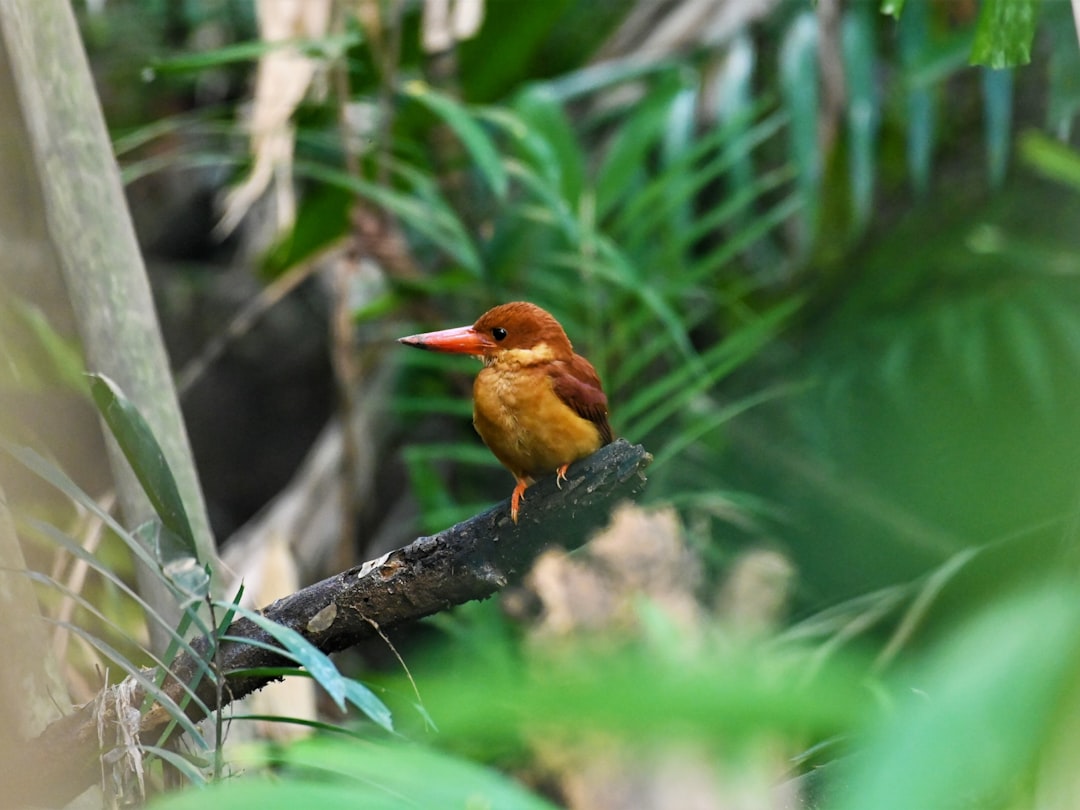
(498, 333)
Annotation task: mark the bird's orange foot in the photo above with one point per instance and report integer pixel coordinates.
(560, 475)
(517, 498)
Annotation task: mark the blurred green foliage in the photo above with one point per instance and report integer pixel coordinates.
(855, 320)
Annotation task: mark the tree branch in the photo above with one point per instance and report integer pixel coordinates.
(471, 560)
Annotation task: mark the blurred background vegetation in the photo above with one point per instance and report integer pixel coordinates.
(825, 259)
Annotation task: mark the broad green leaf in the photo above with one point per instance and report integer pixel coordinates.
(464, 124)
(1058, 312)
(972, 347)
(344, 773)
(711, 697)
(514, 39)
(976, 712)
(1004, 33)
(270, 793)
(147, 461)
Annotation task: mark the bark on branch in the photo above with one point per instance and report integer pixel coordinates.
(471, 560)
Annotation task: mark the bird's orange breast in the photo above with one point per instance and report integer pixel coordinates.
(525, 424)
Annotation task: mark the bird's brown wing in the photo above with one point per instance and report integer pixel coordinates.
(579, 387)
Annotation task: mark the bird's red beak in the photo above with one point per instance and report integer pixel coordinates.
(461, 340)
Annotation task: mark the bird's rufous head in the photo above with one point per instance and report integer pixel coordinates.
(518, 327)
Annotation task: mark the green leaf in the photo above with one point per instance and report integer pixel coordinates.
(191, 581)
(464, 125)
(325, 47)
(1051, 158)
(38, 358)
(1064, 70)
(892, 8)
(140, 676)
(565, 159)
(659, 401)
(713, 418)
(977, 711)
(998, 104)
(421, 208)
(1004, 33)
(319, 666)
(1031, 353)
(269, 793)
(348, 774)
(185, 764)
(858, 39)
(799, 83)
(366, 701)
(725, 149)
(729, 697)
(63, 541)
(300, 650)
(735, 105)
(49, 472)
(914, 36)
(147, 461)
(709, 264)
(625, 160)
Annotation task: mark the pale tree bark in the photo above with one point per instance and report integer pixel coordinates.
(91, 242)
